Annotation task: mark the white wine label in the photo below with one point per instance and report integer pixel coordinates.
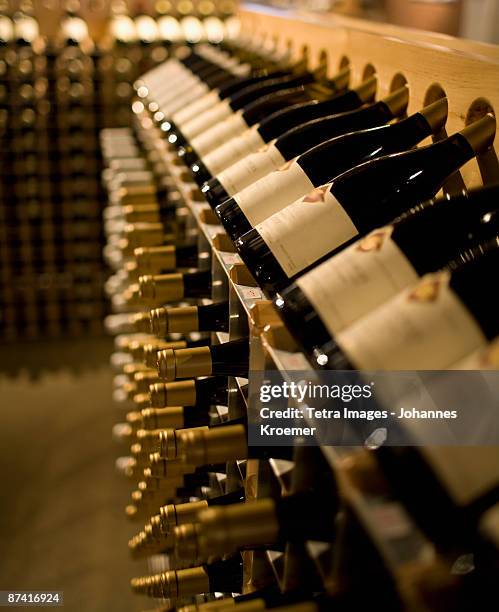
(424, 327)
(182, 100)
(306, 230)
(165, 95)
(466, 472)
(219, 134)
(233, 150)
(357, 280)
(250, 168)
(485, 358)
(273, 192)
(206, 120)
(195, 108)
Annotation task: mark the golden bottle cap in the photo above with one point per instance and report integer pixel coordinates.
(164, 468)
(162, 288)
(145, 379)
(132, 272)
(187, 543)
(149, 440)
(180, 319)
(171, 443)
(181, 393)
(397, 100)
(141, 400)
(481, 133)
(436, 114)
(160, 418)
(151, 260)
(141, 213)
(158, 318)
(131, 368)
(143, 235)
(367, 89)
(203, 446)
(151, 350)
(136, 347)
(184, 363)
(141, 322)
(173, 584)
(224, 529)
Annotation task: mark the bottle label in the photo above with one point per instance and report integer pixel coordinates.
(486, 358)
(250, 169)
(189, 96)
(211, 117)
(199, 106)
(357, 280)
(304, 231)
(220, 133)
(423, 327)
(233, 150)
(273, 192)
(467, 472)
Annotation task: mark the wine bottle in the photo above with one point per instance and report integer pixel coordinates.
(151, 351)
(161, 288)
(157, 535)
(219, 94)
(262, 523)
(458, 500)
(207, 446)
(323, 163)
(165, 258)
(227, 359)
(219, 576)
(176, 417)
(187, 319)
(232, 106)
(277, 124)
(448, 314)
(237, 123)
(371, 194)
(298, 140)
(366, 274)
(205, 392)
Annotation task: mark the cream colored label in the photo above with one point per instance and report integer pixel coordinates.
(467, 472)
(357, 280)
(195, 108)
(206, 120)
(304, 231)
(423, 327)
(219, 134)
(166, 96)
(485, 358)
(233, 150)
(273, 192)
(189, 96)
(251, 168)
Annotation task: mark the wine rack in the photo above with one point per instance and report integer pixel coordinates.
(378, 543)
(56, 94)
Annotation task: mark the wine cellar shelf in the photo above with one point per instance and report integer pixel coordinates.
(431, 65)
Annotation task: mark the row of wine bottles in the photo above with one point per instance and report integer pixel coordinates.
(178, 444)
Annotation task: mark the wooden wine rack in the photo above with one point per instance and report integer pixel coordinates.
(432, 65)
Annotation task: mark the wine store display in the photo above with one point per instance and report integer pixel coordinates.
(270, 209)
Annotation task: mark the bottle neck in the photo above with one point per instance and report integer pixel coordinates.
(376, 192)
(298, 140)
